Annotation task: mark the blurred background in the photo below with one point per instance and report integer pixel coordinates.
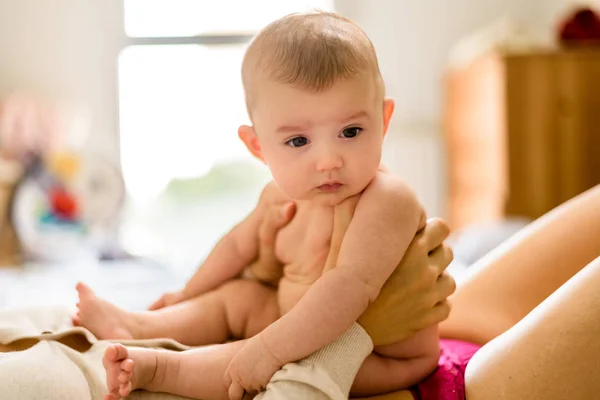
(119, 158)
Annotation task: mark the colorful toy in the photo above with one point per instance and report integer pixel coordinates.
(66, 203)
(67, 207)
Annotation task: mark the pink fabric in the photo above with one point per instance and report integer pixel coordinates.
(447, 382)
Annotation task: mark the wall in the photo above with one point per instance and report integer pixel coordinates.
(65, 50)
(413, 40)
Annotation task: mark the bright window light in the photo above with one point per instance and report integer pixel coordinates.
(181, 105)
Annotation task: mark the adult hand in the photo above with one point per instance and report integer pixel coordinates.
(415, 295)
(267, 268)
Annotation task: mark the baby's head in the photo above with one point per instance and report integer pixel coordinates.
(315, 97)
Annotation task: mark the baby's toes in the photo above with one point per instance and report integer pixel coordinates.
(125, 389)
(127, 365)
(124, 377)
(113, 395)
(110, 356)
(121, 352)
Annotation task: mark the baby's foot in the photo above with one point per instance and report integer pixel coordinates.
(102, 318)
(127, 370)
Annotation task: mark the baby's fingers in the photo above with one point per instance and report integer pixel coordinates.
(157, 305)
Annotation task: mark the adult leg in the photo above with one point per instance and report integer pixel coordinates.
(512, 280)
(508, 284)
(552, 354)
(237, 309)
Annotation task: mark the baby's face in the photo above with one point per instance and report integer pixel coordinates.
(321, 146)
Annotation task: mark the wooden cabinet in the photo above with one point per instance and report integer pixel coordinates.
(522, 133)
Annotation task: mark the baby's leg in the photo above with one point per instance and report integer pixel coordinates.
(398, 366)
(238, 309)
(197, 374)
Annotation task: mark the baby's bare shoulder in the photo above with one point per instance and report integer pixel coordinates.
(389, 189)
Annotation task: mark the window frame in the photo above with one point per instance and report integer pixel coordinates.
(204, 39)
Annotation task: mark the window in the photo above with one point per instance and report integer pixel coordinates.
(180, 89)
(181, 103)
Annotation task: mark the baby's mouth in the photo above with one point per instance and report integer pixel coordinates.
(330, 187)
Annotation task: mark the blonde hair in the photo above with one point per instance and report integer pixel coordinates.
(309, 50)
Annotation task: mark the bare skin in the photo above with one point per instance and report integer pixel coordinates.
(412, 306)
(563, 248)
(542, 290)
(575, 225)
(428, 244)
(244, 309)
(533, 304)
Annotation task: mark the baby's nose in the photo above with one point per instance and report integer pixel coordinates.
(329, 161)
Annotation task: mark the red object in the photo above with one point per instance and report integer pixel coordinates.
(63, 204)
(447, 382)
(581, 27)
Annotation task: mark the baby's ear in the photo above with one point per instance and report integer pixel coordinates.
(388, 111)
(248, 136)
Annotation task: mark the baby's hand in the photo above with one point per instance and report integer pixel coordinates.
(251, 369)
(167, 299)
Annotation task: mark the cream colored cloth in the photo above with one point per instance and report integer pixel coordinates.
(325, 374)
(51, 370)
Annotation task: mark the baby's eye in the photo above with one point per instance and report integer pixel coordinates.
(349, 133)
(297, 141)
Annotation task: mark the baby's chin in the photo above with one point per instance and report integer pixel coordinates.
(322, 197)
(332, 199)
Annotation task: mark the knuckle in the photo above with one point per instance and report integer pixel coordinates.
(431, 319)
(441, 225)
(448, 284)
(440, 313)
(446, 311)
(431, 274)
(449, 252)
(421, 242)
(452, 284)
(432, 300)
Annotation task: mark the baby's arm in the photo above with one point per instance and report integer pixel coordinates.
(385, 221)
(235, 251)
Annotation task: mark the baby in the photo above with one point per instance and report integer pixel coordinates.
(315, 97)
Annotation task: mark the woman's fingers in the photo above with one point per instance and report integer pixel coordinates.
(440, 312)
(276, 217)
(434, 234)
(446, 285)
(287, 212)
(441, 257)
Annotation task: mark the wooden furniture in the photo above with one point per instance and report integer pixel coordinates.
(10, 249)
(522, 133)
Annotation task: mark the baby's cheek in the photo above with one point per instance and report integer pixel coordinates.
(286, 180)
